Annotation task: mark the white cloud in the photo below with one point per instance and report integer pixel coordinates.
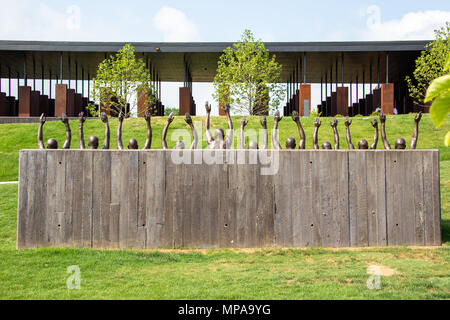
(175, 25)
(412, 26)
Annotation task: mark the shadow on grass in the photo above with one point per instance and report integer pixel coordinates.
(446, 231)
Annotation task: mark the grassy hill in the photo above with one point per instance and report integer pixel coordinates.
(14, 137)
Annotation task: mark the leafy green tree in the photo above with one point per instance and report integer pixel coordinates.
(430, 64)
(248, 77)
(119, 80)
(439, 93)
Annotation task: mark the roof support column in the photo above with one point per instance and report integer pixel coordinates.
(9, 81)
(42, 80)
(304, 67)
(25, 80)
(378, 72)
(60, 67)
(387, 67)
(50, 84)
(34, 73)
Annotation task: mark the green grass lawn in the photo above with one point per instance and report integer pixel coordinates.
(313, 273)
(275, 273)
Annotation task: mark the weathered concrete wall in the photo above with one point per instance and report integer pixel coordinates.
(143, 199)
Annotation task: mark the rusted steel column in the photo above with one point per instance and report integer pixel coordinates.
(24, 101)
(387, 98)
(304, 100)
(342, 101)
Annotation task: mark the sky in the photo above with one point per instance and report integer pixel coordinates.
(201, 20)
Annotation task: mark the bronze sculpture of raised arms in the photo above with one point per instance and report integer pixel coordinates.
(81, 119)
(336, 134)
(209, 137)
(218, 141)
(194, 132)
(263, 122)
(375, 137)
(65, 120)
(51, 143)
(301, 132)
(383, 132)
(40, 136)
(276, 119)
(119, 132)
(415, 134)
(244, 122)
(229, 139)
(164, 133)
(317, 124)
(104, 118)
(348, 135)
(148, 141)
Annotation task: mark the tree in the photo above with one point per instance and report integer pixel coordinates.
(430, 64)
(119, 80)
(439, 93)
(248, 77)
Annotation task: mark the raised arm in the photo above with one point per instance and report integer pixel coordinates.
(317, 124)
(242, 138)
(336, 134)
(104, 118)
(415, 134)
(275, 143)
(301, 132)
(349, 136)
(148, 141)
(386, 144)
(375, 137)
(209, 137)
(81, 119)
(263, 122)
(229, 139)
(164, 133)
(119, 132)
(40, 135)
(194, 133)
(65, 120)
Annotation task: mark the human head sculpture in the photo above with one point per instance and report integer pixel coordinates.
(93, 142)
(290, 143)
(400, 144)
(52, 144)
(133, 144)
(326, 145)
(253, 145)
(363, 144)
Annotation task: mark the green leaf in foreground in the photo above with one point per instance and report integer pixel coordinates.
(447, 63)
(438, 87)
(440, 109)
(447, 139)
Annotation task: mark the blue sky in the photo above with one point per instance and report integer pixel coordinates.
(278, 20)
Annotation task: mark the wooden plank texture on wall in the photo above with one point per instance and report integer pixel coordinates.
(143, 199)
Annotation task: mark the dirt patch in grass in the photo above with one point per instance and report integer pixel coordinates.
(381, 270)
